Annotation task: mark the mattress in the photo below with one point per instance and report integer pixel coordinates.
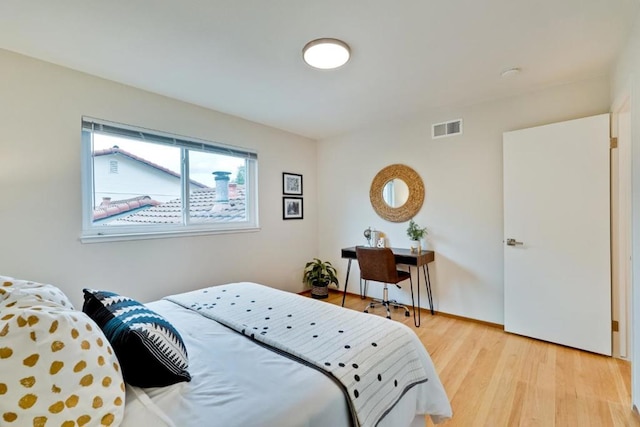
(236, 382)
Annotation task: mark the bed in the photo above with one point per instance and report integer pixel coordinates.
(239, 373)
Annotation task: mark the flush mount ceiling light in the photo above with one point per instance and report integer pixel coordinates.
(326, 53)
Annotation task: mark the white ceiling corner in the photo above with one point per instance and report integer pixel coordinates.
(244, 57)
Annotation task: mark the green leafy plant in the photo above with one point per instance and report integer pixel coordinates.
(319, 273)
(415, 232)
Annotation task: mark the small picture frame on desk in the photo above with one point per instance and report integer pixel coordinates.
(291, 184)
(292, 208)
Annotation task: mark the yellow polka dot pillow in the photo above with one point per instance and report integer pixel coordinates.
(56, 369)
(31, 293)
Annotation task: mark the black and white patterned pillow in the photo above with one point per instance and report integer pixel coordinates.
(149, 349)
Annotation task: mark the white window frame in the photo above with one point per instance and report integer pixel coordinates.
(99, 233)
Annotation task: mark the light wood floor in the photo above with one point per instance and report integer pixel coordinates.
(498, 379)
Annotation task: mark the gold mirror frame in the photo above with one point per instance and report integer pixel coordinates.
(416, 193)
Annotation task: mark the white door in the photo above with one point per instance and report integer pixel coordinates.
(557, 268)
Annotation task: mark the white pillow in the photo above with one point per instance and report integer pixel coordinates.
(57, 369)
(31, 293)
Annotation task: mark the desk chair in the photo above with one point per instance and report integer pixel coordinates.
(379, 265)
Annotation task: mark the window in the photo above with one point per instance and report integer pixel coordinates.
(139, 183)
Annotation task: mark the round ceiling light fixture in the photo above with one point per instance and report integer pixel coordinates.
(326, 53)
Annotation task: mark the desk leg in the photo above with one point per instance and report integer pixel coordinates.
(417, 320)
(425, 270)
(346, 282)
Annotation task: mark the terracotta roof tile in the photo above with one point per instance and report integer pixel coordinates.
(108, 208)
(203, 209)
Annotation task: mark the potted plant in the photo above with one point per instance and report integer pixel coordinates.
(319, 275)
(416, 234)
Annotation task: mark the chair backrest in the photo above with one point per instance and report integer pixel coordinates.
(377, 264)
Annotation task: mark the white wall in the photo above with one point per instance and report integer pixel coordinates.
(40, 205)
(463, 180)
(626, 85)
(40, 202)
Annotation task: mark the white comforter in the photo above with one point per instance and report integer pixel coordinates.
(239, 383)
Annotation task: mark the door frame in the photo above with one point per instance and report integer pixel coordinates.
(621, 228)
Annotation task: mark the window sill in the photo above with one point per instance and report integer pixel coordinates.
(104, 238)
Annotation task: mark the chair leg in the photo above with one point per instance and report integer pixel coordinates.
(387, 303)
(385, 300)
(373, 304)
(395, 304)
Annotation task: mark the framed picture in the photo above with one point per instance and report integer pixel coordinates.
(292, 208)
(291, 183)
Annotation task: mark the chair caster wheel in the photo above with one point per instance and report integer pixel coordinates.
(389, 317)
(406, 314)
(366, 311)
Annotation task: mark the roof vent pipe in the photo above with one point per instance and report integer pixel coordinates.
(222, 186)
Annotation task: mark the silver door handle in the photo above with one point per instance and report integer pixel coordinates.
(513, 242)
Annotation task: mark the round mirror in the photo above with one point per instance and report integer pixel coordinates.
(395, 193)
(387, 191)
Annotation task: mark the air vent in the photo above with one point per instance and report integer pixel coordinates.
(440, 130)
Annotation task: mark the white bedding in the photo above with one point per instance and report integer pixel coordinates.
(236, 382)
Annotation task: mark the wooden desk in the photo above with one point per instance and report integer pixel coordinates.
(404, 257)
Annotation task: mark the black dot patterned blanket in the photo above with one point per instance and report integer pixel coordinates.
(376, 361)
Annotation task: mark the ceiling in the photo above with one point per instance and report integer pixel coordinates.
(243, 57)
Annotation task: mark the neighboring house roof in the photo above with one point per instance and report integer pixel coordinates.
(108, 208)
(203, 209)
(117, 150)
